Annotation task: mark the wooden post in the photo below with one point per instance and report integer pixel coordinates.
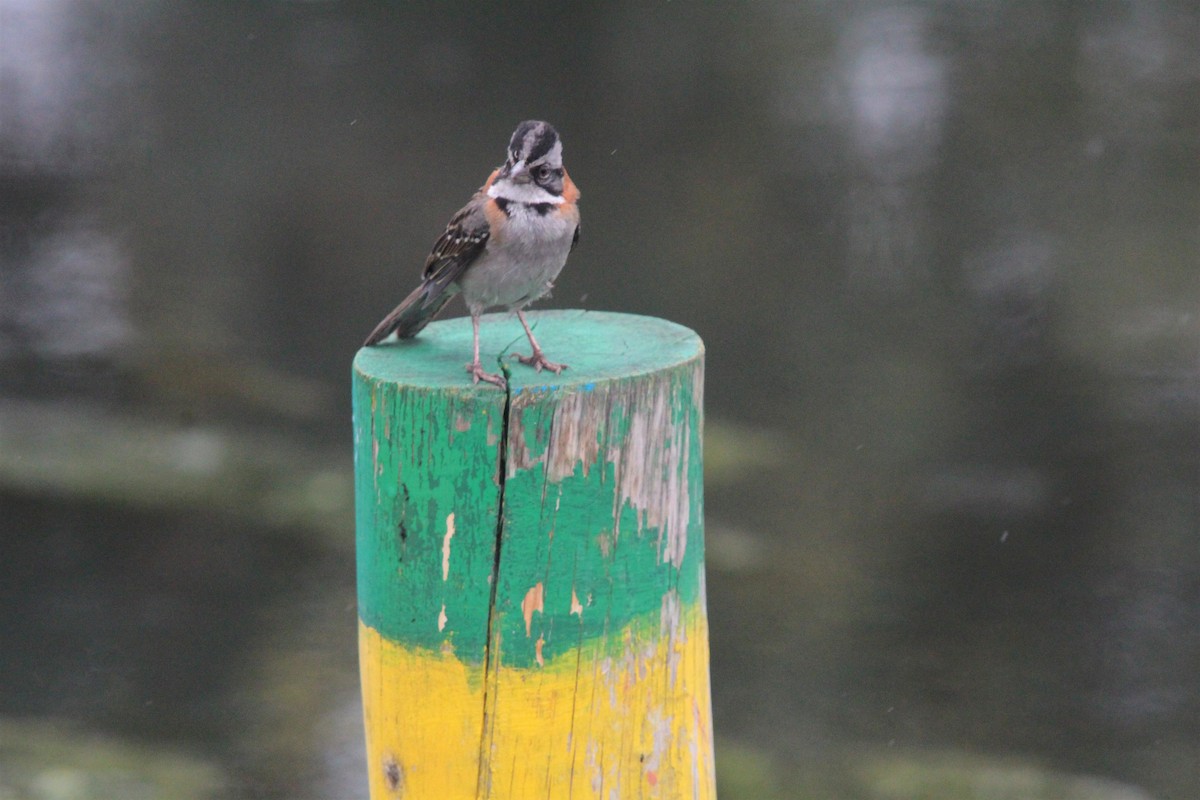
(531, 564)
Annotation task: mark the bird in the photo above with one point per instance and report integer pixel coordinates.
(504, 248)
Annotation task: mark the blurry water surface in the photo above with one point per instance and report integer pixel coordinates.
(945, 257)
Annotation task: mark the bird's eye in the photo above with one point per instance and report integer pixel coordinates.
(540, 173)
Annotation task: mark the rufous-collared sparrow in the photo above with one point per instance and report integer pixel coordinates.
(503, 248)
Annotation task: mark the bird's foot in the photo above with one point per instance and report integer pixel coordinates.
(476, 371)
(539, 361)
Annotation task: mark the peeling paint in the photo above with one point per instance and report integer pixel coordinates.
(576, 606)
(574, 442)
(493, 437)
(446, 546)
(442, 618)
(652, 468)
(571, 442)
(534, 601)
(672, 629)
(597, 772)
(662, 729)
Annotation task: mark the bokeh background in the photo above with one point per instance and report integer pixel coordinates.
(946, 260)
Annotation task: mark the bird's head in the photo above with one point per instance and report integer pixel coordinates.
(533, 172)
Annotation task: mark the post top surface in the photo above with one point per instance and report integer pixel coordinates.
(596, 346)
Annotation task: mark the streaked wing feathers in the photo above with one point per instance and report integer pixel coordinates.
(458, 246)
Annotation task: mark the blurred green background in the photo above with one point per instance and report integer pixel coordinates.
(946, 260)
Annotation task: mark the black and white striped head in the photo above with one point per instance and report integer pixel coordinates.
(533, 172)
(535, 142)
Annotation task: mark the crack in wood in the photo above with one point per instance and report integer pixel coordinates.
(490, 655)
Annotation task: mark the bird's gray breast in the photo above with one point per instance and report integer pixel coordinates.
(520, 263)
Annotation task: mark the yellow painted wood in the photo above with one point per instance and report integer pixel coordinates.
(566, 729)
(424, 714)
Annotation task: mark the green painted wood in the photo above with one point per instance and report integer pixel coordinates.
(598, 512)
(424, 452)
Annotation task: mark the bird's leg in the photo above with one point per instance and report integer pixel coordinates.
(538, 360)
(475, 368)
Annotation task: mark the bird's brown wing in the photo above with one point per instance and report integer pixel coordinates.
(458, 246)
(455, 250)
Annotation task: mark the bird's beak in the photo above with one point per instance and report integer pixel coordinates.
(519, 172)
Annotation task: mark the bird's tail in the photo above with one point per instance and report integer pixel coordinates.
(414, 313)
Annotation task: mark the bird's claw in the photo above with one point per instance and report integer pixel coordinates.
(475, 369)
(539, 362)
